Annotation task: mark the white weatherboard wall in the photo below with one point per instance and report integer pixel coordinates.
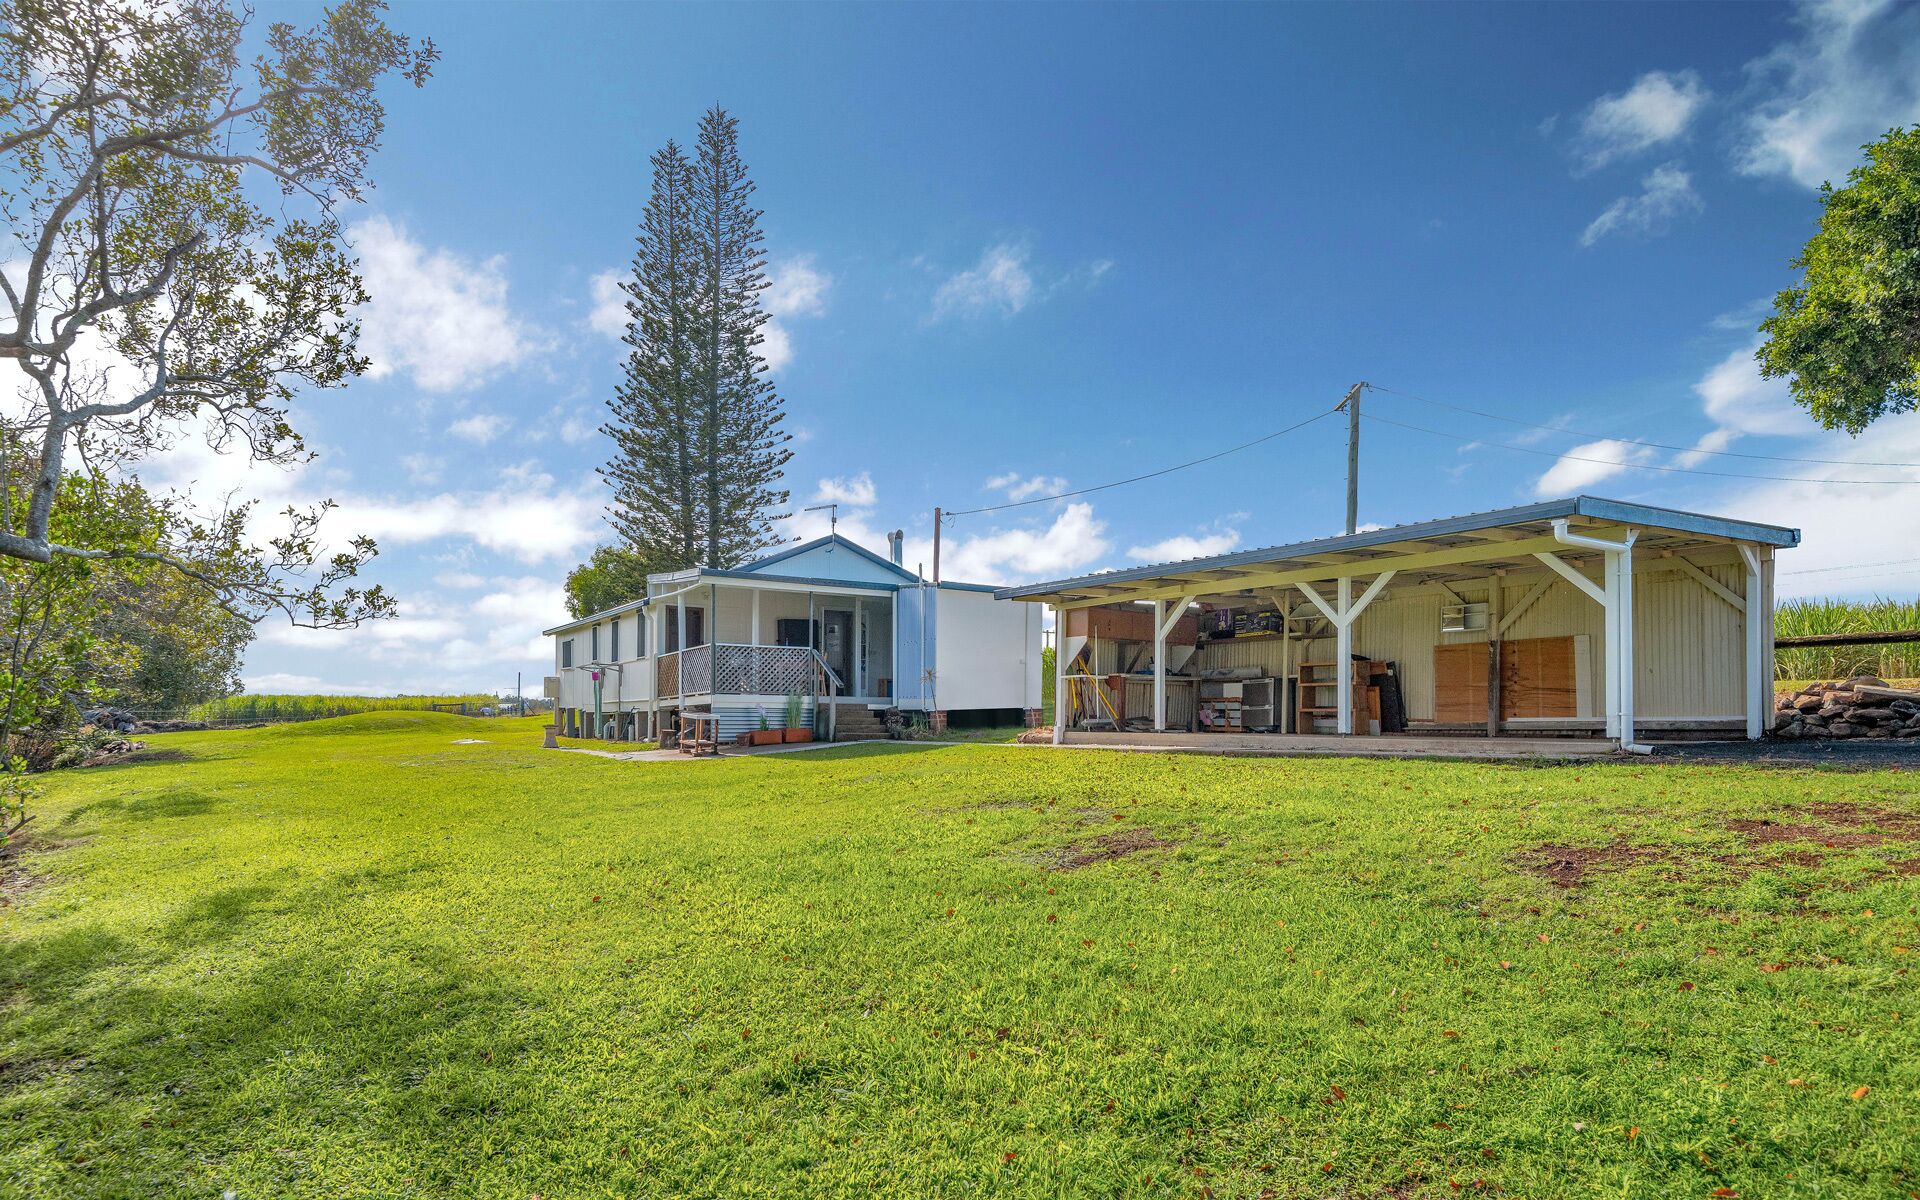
(988, 651)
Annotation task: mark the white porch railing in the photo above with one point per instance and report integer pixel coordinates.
(729, 669)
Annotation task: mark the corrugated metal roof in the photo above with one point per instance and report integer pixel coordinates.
(1595, 507)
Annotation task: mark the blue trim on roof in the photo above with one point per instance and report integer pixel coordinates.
(858, 585)
(1577, 506)
(833, 539)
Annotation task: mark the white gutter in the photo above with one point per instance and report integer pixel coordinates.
(1619, 609)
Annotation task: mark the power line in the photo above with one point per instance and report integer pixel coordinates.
(1825, 462)
(967, 512)
(1612, 462)
(1891, 562)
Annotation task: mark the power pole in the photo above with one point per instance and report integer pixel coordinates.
(1352, 405)
(936, 547)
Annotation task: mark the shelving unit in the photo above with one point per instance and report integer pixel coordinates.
(1221, 704)
(1319, 697)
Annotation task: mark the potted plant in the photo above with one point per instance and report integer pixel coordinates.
(796, 732)
(763, 736)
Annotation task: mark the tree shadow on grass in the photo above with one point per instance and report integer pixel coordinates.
(253, 1028)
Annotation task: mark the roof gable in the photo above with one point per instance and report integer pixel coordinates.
(830, 557)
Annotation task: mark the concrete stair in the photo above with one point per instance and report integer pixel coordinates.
(856, 722)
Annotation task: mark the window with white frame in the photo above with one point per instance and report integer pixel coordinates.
(566, 652)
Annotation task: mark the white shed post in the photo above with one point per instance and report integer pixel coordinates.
(1059, 675)
(1759, 630)
(1343, 616)
(1164, 620)
(1159, 666)
(1343, 657)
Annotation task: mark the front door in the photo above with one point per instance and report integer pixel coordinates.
(836, 644)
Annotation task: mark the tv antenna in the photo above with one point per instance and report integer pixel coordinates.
(833, 515)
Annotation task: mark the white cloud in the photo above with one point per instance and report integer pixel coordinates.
(1185, 546)
(1845, 526)
(574, 430)
(1025, 487)
(1588, 464)
(609, 312)
(439, 317)
(431, 639)
(537, 523)
(999, 282)
(423, 469)
(796, 288)
(1658, 108)
(856, 491)
(282, 683)
(1853, 73)
(1734, 395)
(1665, 193)
(480, 428)
(1074, 541)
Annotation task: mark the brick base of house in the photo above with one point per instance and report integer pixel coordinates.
(937, 721)
(1033, 717)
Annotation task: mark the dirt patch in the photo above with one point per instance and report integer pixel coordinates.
(137, 758)
(1908, 866)
(1842, 826)
(1567, 866)
(1109, 846)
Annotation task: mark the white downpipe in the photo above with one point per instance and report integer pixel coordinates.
(1619, 628)
(1059, 675)
(1759, 627)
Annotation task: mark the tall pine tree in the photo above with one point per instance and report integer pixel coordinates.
(655, 468)
(699, 450)
(745, 449)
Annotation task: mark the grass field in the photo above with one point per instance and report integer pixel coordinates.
(354, 958)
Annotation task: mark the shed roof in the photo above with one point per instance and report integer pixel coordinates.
(1446, 546)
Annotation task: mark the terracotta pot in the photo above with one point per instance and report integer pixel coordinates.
(764, 737)
(799, 735)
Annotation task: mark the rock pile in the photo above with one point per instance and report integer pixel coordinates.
(111, 751)
(1861, 707)
(121, 720)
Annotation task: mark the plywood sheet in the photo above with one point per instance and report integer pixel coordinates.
(1538, 678)
(1460, 683)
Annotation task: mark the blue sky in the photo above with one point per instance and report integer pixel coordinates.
(1020, 245)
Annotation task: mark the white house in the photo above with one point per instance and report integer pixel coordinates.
(846, 630)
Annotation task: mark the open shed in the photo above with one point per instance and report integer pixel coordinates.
(1590, 621)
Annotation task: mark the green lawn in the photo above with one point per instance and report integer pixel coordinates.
(352, 958)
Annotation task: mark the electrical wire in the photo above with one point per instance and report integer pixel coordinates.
(1825, 462)
(1891, 562)
(968, 512)
(1612, 462)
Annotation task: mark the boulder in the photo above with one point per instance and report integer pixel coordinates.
(1871, 715)
(1864, 681)
(1806, 702)
(1839, 729)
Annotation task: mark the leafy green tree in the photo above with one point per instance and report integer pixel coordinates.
(613, 576)
(153, 287)
(186, 649)
(1848, 337)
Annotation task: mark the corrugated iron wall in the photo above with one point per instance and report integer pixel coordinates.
(1687, 640)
